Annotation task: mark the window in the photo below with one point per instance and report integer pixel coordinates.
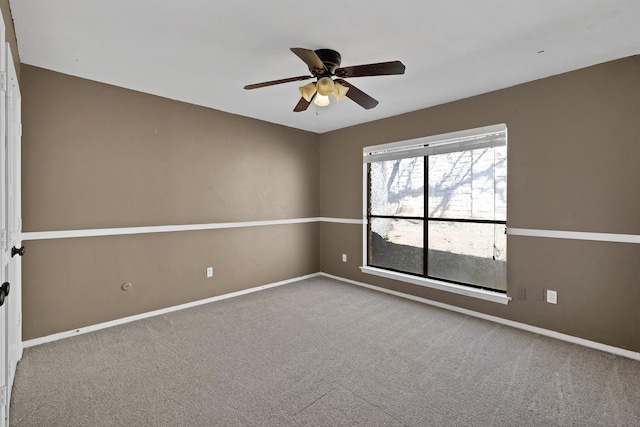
(435, 211)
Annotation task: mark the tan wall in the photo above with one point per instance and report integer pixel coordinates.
(573, 166)
(97, 156)
(10, 34)
(70, 283)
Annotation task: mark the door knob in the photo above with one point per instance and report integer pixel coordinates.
(4, 291)
(15, 251)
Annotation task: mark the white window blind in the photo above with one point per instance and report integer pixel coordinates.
(471, 139)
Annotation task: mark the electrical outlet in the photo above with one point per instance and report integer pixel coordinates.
(209, 271)
(344, 257)
(552, 297)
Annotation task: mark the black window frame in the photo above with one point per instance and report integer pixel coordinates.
(425, 220)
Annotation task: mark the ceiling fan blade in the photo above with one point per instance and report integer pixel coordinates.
(379, 69)
(303, 104)
(277, 82)
(310, 58)
(358, 96)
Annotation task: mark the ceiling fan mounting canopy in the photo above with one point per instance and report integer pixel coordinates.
(324, 64)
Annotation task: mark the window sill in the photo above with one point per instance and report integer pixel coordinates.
(442, 286)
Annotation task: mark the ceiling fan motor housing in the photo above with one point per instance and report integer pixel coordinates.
(331, 60)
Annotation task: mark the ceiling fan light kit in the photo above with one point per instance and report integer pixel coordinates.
(322, 100)
(325, 86)
(322, 88)
(307, 91)
(324, 65)
(340, 91)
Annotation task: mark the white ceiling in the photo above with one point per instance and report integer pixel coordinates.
(204, 52)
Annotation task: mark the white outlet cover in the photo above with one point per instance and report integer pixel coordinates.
(552, 297)
(209, 271)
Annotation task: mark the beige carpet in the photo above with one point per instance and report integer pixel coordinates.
(321, 353)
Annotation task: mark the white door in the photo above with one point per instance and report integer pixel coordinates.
(14, 205)
(10, 226)
(5, 256)
(13, 249)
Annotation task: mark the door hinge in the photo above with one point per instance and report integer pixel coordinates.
(3, 395)
(19, 318)
(3, 81)
(20, 129)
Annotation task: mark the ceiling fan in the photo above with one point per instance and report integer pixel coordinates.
(323, 65)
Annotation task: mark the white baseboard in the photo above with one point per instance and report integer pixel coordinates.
(546, 332)
(97, 327)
